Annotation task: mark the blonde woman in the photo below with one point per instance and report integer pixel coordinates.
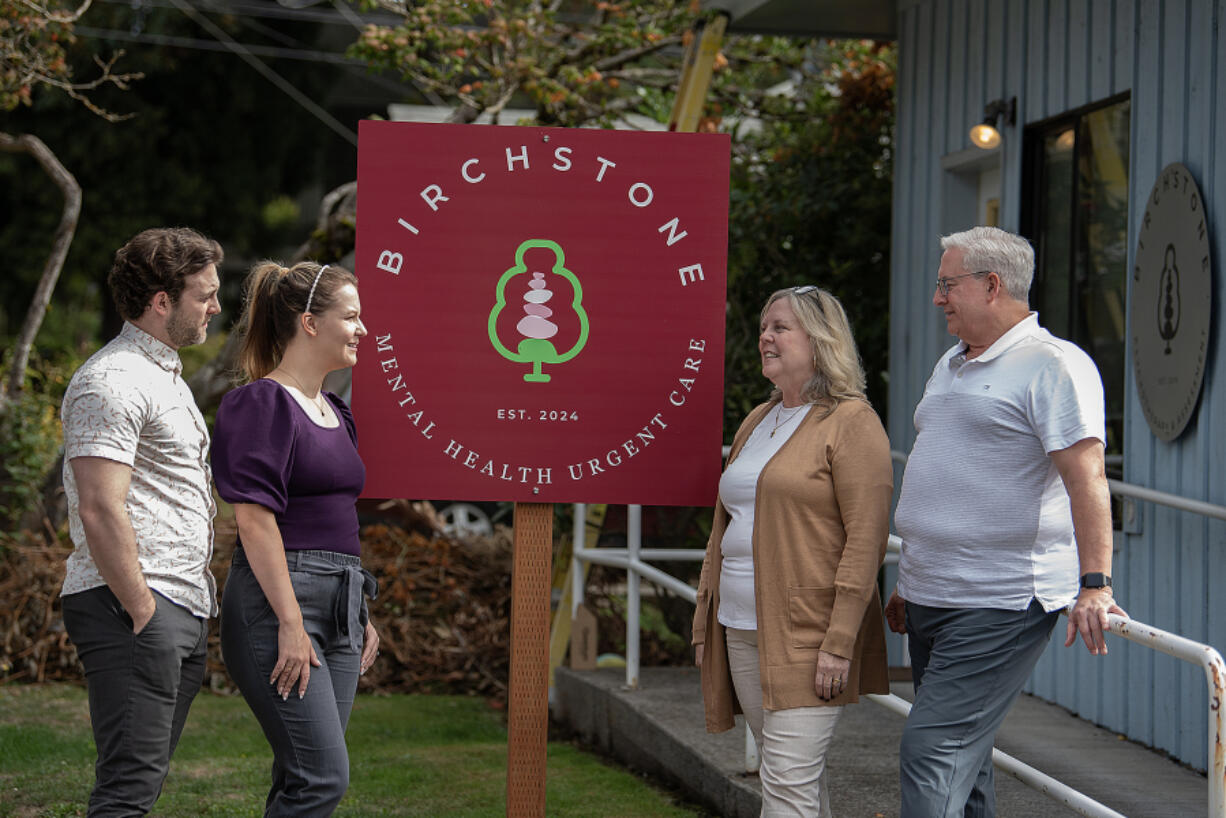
(788, 627)
(294, 629)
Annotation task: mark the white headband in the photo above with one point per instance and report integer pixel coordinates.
(311, 294)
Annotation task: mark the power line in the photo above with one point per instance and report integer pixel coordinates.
(349, 14)
(271, 51)
(272, 11)
(247, 13)
(354, 66)
(276, 79)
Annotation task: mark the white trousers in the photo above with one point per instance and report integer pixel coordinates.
(792, 743)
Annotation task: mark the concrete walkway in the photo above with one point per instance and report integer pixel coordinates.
(659, 728)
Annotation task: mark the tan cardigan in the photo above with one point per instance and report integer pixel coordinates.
(821, 525)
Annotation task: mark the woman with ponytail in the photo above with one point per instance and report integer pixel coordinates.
(295, 633)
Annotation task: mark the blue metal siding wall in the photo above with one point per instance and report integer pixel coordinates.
(1173, 566)
(1056, 56)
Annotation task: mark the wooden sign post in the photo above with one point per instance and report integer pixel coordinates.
(528, 700)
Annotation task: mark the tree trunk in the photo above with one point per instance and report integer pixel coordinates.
(464, 114)
(26, 143)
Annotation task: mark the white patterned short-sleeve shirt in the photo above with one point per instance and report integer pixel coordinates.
(129, 403)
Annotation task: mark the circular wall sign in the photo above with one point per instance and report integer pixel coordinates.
(1172, 300)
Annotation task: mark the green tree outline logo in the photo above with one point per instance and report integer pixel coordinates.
(538, 350)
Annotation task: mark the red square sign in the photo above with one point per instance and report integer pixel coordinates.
(546, 313)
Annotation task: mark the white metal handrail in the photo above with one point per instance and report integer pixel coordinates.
(1030, 776)
(633, 558)
(1215, 677)
(1169, 643)
(1057, 790)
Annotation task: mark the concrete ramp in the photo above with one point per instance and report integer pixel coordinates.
(659, 729)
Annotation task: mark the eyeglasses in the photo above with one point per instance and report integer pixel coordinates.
(802, 290)
(943, 283)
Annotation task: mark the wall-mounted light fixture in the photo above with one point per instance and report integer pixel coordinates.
(984, 135)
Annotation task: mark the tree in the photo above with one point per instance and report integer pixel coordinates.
(810, 204)
(32, 41)
(570, 63)
(576, 62)
(33, 38)
(211, 145)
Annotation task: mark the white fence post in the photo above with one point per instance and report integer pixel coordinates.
(577, 586)
(634, 545)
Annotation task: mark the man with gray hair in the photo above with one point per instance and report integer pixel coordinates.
(1004, 505)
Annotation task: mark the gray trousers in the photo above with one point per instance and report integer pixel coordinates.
(310, 768)
(140, 689)
(968, 665)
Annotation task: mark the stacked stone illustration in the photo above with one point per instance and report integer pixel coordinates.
(536, 323)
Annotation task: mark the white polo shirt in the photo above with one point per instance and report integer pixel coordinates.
(128, 403)
(983, 514)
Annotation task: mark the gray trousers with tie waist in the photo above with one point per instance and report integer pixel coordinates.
(310, 769)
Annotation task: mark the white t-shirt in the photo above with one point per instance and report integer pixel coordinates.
(983, 514)
(738, 491)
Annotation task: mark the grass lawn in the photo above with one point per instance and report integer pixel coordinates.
(409, 756)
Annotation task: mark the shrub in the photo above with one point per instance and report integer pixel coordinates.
(30, 441)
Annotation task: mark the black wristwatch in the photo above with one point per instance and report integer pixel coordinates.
(1095, 579)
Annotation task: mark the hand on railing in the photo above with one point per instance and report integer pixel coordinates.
(1089, 617)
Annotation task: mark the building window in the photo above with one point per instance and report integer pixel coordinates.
(1076, 214)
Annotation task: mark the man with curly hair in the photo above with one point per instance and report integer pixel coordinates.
(138, 592)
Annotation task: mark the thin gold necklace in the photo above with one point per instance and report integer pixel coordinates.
(779, 411)
(317, 400)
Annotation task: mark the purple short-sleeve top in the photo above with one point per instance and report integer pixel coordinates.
(268, 451)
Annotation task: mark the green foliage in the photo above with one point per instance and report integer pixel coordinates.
(810, 204)
(281, 212)
(37, 46)
(576, 62)
(407, 754)
(34, 39)
(211, 145)
(197, 355)
(611, 610)
(68, 328)
(31, 51)
(30, 439)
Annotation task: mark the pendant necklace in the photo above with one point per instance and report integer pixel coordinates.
(779, 411)
(317, 400)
